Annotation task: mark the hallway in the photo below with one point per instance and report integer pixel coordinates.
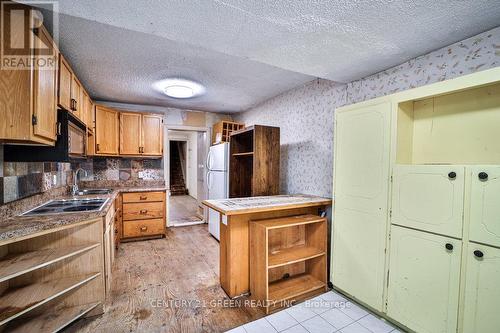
(183, 210)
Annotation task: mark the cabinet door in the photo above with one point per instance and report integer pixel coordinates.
(424, 277)
(152, 132)
(482, 294)
(87, 117)
(76, 91)
(65, 78)
(106, 134)
(44, 108)
(90, 115)
(429, 197)
(107, 259)
(362, 144)
(130, 133)
(90, 144)
(485, 207)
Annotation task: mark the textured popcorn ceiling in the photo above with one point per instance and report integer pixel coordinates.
(235, 46)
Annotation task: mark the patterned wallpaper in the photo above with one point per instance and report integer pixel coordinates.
(305, 114)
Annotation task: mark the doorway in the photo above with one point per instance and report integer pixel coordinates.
(186, 181)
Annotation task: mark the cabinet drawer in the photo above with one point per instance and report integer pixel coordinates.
(143, 196)
(141, 211)
(141, 228)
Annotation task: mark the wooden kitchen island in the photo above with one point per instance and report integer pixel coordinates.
(236, 216)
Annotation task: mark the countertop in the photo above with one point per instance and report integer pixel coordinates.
(21, 226)
(238, 206)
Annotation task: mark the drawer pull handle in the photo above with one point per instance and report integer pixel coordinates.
(452, 175)
(143, 211)
(483, 176)
(144, 228)
(449, 246)
(143, 197)
(478, 254)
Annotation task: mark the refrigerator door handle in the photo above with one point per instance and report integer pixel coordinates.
(209, 184)
(209, 158)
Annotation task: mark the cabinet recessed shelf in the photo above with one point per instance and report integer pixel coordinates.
(16, 264)
(250, 153)
(288, 259)
(292, 255)
(295, 286)
(52, 321)
(18, 301)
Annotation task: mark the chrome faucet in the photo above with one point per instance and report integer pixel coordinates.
(74, 188)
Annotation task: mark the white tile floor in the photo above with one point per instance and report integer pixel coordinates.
(327, 313)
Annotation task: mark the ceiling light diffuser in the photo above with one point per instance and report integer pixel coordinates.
(179, 88)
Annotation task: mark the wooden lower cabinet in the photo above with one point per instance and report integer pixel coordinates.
(143, 228)
(144, 215)
(482, 293)
(424, 278)
(109, 247)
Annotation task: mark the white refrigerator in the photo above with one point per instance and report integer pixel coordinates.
(217, 182)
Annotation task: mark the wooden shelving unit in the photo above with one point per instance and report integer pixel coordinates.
(287, 259)
(17, 301)
(49, 279)
(250, 153)
(287, 289)
(51, 321)
(293, 255)
(255, 161)
(20, 263)
(224, 129)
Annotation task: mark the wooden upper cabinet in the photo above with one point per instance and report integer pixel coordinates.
(44, 88)
(106, 131)
(65, 78)
(76, 97)
(135, 134)
(87, 114)
(28, 110)
(71, 95)
(90, 115)
(152, 135)
(130, 133)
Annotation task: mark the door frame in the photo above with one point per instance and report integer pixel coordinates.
(166, 155)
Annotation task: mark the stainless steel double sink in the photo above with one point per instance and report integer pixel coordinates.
(74, 205)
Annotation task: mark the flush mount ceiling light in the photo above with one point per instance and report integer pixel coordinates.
(179, 88)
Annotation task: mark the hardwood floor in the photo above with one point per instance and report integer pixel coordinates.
(182, 210)
(148, 275)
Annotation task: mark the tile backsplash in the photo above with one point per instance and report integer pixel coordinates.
(20, 180)
(23, 179)
(123, 169)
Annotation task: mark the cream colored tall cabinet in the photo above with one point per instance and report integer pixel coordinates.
(416, 225)
(361, 187)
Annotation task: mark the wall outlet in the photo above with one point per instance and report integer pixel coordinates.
(54, 180)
